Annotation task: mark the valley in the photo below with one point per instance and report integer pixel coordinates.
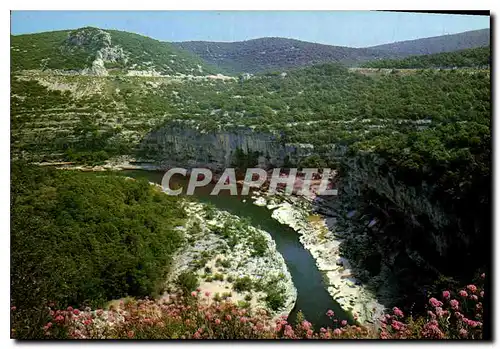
(406, 127)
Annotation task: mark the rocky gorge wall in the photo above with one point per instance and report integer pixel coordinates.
(177, 144)
(399, 234)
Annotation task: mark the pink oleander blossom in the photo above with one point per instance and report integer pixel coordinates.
(397, 325)
(330, 313)
(397, 312)
(446, 294)
(435, 303)
(454, 304)
(472, 288)
(463, 293)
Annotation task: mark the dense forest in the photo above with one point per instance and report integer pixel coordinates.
(438, 44)
(469, 58)
(83, 239)
(270, 54)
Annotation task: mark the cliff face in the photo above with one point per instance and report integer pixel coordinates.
(395, 230)
(183, 145)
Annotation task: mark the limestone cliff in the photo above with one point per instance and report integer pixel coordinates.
(178, 144)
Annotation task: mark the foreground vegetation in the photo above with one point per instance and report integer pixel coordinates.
(199, 316)
(84, 239)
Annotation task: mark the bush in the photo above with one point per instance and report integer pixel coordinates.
(259, 244)
(243, 284)
(187, 281)
(275, 299)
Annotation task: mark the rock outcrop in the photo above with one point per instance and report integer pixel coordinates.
(221, 250)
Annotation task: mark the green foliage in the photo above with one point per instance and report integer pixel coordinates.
(259, 245)
(83, 238)
(187, 281)
(243, 284)
(468, 58)
(275, 298)
(77, 49)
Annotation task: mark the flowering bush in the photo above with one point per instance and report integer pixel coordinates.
(184, 317)
(197, 316)
(458, 316)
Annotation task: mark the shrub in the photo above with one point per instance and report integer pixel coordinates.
(259, 245)
(275, 299)
(187, 281)
(243, 284)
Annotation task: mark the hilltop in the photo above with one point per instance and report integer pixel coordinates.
(437, 44)
(268, 54)
(94, 51)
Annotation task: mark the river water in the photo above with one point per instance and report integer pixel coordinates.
(312, 297)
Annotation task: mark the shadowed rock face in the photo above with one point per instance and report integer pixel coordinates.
(394, 230)
(187, 146)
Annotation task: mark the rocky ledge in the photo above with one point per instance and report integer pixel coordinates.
(317, 235)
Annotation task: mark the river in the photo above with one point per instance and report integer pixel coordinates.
(312, 297)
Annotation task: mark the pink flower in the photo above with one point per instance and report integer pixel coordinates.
(309, 333)
(446, 294)
(474, 298)
(463, 333)
(198, 289)
(306, 325)
(289, 331)
(330, 313)
(76, 311)
(197, 335)
(431, 330)
(193, 293)
(472, 288)
(217, 321)
(397, 325)
(243, 319)
(397, 312)
(463, 293)
(343, 323)
(454, 304)
(435, 303)
(13, 308)
(70, 309)
(481, 293)
(483, 275)
(207, 294)
(322, 330)
(431, 314)
(59, 318)
(337, 332)
(228, 317)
